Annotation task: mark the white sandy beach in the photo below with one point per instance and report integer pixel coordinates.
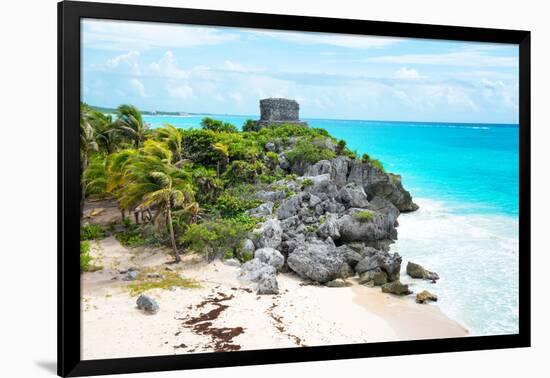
(226, 314)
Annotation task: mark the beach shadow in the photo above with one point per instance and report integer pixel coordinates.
(49, 366)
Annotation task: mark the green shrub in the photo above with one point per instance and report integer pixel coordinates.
(377, 164)
(217, 237)
(271, 160)
(91, 232)
(236, 200)
(363, 216)
(250, 126)
(374, 162)
(131, 238)
(197, 146)
(246, 256)
(306, 183)
(215, 125)
(145, 282)
(208, 185)
(240, 171)
(310, 151)
(85, 258)
(341, 147)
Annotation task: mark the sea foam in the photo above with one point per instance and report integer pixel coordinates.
(476, 257)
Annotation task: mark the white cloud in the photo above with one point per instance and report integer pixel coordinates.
(407, 74)
(351, 41)
(132, 35)
(138, 87)
(236, 67)
(128, 61)
(182, 92)
(464, 57)
(167, 67)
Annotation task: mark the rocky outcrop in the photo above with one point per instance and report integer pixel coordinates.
(425, 296)
(366, 175)
(418, 271)
(317, 261)
(338, 221)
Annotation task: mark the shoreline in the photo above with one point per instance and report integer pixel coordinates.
(300, 315)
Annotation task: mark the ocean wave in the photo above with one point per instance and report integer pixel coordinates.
(476, 256)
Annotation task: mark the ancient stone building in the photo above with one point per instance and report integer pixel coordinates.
(279, 111)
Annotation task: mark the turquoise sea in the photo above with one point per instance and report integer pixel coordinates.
(465, 177)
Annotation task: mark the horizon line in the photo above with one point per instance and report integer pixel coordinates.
(311, 118)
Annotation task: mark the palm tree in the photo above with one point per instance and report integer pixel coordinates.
(208, 185)
(131, 124)
(106, 131)
(87, 143)
(166, 193)
(223, 152)
(173, 138)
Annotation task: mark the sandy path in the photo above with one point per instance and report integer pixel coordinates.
(225, 314)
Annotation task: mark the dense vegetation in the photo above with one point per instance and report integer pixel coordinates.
(188, 189)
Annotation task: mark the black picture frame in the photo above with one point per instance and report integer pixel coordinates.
(69, 15)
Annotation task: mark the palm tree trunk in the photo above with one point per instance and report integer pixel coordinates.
(172, 236)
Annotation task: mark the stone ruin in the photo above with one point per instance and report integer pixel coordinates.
(278, 111)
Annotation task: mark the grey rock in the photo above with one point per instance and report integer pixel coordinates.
(271, 257)
(329, 228)
(425, 296)
(351, 229)
(396, 287)
(374, 277)
(232, 262)
(254, 270)
(387, 186)
(290, 206)
(314, 200)
(387, 262)
(270, 146)
(352, 195)
(338, 282)
(355, 173)
(268, 285)
(316, 260)
(248, 246)
(264, 210)
(320, 168)
(321, 184)
(418, 271)
(270, 196)
(269, 234)
(147, 304)
(352, 257)
(130, 276)
(283, 161)
(340, 170)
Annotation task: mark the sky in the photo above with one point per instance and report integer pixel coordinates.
(185, 68)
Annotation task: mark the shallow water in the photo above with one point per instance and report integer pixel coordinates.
(465, 179)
